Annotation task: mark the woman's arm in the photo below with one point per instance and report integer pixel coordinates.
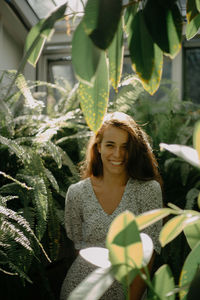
(138, 286)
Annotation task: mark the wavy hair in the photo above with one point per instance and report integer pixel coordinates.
(141, 163)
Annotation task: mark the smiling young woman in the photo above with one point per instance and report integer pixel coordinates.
(119, 173)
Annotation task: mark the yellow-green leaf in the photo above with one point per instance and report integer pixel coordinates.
(94, 100)
(192, 234)
(171, 229)
(115, 55)
(127, 257)
(146, 219)
(198, 5)
(40, 33)
(196, 138)
(193, 27)
(163, 283)
(188, 271)
(191, 9)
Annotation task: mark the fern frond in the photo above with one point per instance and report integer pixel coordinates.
(5, 199)
(16, 181)
(54, 152)
(15, 148)
(40, 201)
(51, 179)
(18, 236)
(66, 160)
(30, 102)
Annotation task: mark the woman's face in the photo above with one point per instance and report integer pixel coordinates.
(113, 150)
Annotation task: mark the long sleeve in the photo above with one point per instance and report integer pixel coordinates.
(73, 216)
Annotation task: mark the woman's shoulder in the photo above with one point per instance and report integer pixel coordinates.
(145, 185)
(78, 186)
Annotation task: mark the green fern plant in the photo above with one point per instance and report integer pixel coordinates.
(36, 150)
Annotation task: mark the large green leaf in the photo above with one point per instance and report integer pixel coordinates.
(124, 245)
(40, 33)
(94, 100)
(85, 62)
(115, 55)
(191, 9)
(101, 20)
(193, 27)
(192, 234)
(93, 286)
(188, 271)
(146, 56)
(166, 28)
(163, 283)
(187, 153)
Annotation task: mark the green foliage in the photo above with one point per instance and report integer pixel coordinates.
(35, 172)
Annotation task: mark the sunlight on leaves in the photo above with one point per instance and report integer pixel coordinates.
(94, 100)
(96, 256)
(124, 244)
(187, 153)
(146, 219)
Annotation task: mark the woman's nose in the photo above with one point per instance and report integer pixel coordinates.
(117, 152)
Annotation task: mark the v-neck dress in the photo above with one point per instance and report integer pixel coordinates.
(87, 225)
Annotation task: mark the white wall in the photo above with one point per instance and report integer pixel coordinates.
(12, 39)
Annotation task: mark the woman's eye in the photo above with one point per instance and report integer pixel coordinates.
(109, 145)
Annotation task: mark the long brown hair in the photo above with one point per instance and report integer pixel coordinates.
(141, 163)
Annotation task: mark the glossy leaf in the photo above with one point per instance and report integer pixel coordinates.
(115, 56)
(193, 27)
(163, 283)
(101, 20)
(152, 85)
(94, 100)
(196, 138)
(40, 33)
(189, 270)
(166, 28)
(172, 229)
(96, 256)
(191, 9)
(192, 234)
(85, 62)
(93, 286)
(130, 255)
(150, 217)
(146, 57)
(187, 153)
